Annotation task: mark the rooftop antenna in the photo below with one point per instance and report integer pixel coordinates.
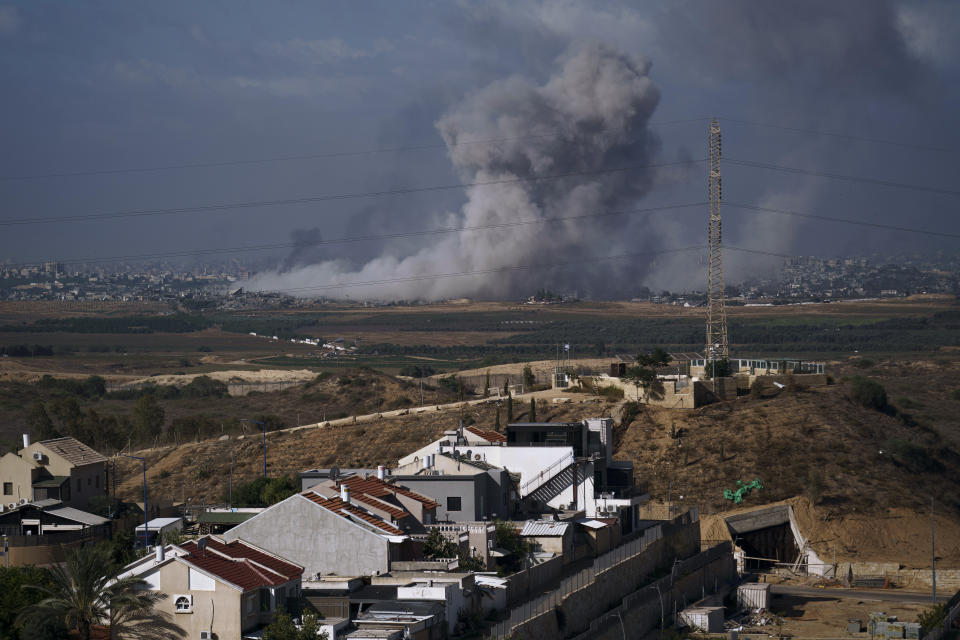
(716, 313)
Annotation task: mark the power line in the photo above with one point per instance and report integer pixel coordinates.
(837, 176)
(364, 238)
(862, 223)
(445, 230)
(496, 269)
(842, 136)
(311, 156)
(326, 198)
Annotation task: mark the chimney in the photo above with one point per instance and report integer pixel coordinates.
(381, 472)
(160, 553)
(345, 493)
(26, 440)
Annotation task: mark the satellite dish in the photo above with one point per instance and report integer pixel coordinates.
(469, 454)
(476, 457)
(201, 544)
(334, 473)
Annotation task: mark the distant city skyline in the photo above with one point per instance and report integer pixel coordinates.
(259, 120)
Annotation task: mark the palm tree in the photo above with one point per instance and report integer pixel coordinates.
(85, 592)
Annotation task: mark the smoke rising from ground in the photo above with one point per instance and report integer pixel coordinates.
(591, 114)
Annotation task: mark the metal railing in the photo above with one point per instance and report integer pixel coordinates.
(546, 475)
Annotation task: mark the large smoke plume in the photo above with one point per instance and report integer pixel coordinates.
(590, 115)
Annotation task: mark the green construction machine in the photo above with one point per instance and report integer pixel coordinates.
(743, 489)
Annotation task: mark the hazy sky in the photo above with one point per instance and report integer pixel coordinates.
(566, 86)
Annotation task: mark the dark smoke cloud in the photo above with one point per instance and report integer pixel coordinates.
(592, 114)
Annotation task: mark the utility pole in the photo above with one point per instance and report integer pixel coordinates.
(933, 557)
(716, 312)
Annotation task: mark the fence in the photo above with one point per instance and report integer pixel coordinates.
(953, 613)
(652, 594)
(100, 532)
(583, 578)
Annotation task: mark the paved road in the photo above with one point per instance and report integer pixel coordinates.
(887, 595)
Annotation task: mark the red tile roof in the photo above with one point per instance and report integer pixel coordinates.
(240, 564)
(377, 488)
(238, 550)
(338, 506)
(490, 436)
(243, 573)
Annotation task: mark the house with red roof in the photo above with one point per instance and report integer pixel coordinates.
(218, 588)
(405, 509)
(328, 531)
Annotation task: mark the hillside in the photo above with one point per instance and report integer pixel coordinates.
(200, 470)
(867, 470)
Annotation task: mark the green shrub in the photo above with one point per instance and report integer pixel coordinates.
(914, 457)
(863, 363)
(868, 393)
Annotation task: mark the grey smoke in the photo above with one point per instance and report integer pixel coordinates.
(592, 114)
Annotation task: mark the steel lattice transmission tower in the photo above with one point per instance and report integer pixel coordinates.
(716, 346)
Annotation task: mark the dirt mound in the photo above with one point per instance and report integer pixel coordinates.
(262, 375)
(869, 471)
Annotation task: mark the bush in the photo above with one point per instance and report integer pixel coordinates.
(914, 457)
(868, 393)
(814, 488)
(863, 363)
(612, 392)
(628, 413)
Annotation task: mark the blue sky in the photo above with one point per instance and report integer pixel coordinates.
(120, 85)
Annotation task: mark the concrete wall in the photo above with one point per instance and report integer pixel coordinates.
(440, 488)
(318, 540)
(622, 598)
(222, 607)
(533, 579)
(17, 472)
(85, 483)
(948, 580)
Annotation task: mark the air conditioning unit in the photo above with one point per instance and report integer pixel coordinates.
(206, 635)
(11, 506)
(38, 456)
(23, 501)
(183, 603)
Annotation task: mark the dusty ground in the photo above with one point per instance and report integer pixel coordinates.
(826, 617)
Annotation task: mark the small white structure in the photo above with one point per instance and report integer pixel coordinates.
(158, 527)
(703, 619)
(753, 595)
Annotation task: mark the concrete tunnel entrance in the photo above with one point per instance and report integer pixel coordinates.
(764, 537)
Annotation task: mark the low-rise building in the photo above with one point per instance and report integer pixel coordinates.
(40, 531)
(61, 469)
(220, 589)
(328, 533)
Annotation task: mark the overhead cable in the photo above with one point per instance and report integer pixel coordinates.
(315, 156)
(132, 213)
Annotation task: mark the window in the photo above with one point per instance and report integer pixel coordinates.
(453, 503)
(8, 488)
(89, 481)
(250, 604)
(97, 485)
(79, 485)
(182, 604)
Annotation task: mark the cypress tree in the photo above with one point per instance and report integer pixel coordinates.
(533, 410)
(496, 424)
(509, 407)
